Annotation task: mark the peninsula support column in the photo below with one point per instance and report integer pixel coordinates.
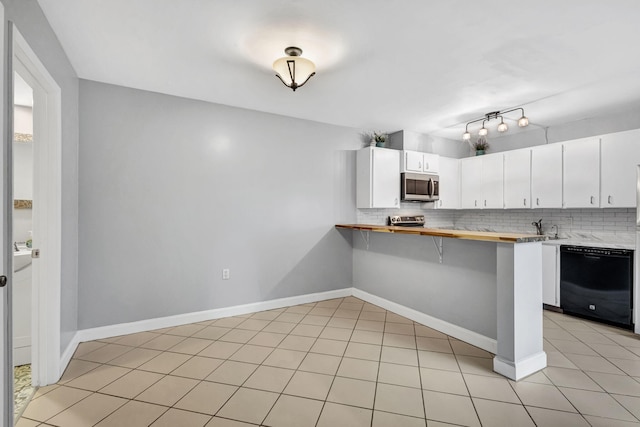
(519, 294)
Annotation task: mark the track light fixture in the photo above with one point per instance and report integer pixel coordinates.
(292, 69)
(502, 127)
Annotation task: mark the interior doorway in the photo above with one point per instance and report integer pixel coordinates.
(46, 200)
(22, 238)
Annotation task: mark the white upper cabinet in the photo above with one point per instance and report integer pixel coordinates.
(546, 176)
(471, 183)
(449, 184)
(378, 178)
(581, 173)
(417, 162)
(492, 181)
(517, 179)
(620, 153)
(481, 182)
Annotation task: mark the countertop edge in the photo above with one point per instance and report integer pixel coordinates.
(452, 234)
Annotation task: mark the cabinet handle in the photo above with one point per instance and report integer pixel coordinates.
(524, 202)
(396, 201)
(475, 203)
(609, 199)
(426, 165)
(485, 203)
(537, 201)
(592, 199)
(419, 165)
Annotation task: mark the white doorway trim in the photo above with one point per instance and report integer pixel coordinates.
(47, 211)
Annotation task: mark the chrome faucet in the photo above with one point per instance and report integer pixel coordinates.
(538, 225)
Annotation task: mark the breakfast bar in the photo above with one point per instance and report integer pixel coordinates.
(481, 287)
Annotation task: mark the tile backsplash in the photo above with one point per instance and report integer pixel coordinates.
(570, 222)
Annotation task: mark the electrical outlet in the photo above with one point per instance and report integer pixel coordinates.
(226, 274)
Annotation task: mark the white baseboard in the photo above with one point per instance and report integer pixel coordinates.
(450, 329)
(67, 354)
(521, 368)
(110, 331)
(200, 316)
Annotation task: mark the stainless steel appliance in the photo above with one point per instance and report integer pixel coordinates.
(597, 283)
(406, 221)
(419, 187)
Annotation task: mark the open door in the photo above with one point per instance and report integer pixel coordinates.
(6, 198)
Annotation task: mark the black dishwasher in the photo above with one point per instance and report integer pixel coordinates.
(597, 283)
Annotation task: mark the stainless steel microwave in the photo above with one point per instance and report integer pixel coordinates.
(419, 187)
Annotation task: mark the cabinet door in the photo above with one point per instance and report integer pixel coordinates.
(385, 178)
(546, 176)
(431, 163)
(413, 161)
(517, 179)
(620, 153)
(449, 184)
(492, 181)
(581, 173)
(471, 183)
(550, 275)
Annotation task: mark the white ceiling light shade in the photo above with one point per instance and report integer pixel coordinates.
(466, 136)
(523, 121)
(293, 69)
(502, 127)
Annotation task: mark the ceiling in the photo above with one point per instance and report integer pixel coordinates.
(426, 66)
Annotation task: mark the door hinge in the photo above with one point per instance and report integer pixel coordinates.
(35, 253)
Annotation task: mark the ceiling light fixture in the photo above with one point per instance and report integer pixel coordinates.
(293, 69)
(502, 127)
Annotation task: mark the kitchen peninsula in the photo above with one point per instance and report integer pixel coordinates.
(480, 287)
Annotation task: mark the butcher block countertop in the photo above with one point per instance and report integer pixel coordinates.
(452, 234)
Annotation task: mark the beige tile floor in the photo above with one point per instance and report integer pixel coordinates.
(339, 363)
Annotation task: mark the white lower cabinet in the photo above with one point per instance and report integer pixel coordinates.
(378, 178)
(551, 274)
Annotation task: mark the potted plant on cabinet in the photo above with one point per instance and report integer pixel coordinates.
(481, 145)
(378, 139)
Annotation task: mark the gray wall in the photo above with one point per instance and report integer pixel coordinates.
(405, 269)
(30, 21)
(174, 190)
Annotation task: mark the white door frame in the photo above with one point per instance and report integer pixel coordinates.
(47, 212)
(6, 254)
